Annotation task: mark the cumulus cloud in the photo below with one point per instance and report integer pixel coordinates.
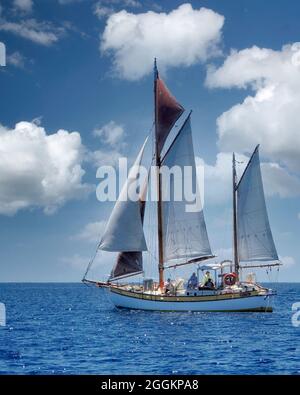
(111, 133)
(43, 33)
(183, 37)
(269, 116)
(25, 6)
(39, 169)
(112, 136)
(92, 232)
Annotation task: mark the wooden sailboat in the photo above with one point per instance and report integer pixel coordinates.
(182, 236)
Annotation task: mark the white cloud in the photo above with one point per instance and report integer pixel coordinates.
(16, 59)
(103, 8)
(131, 3)
(271, 115)
(43, 33)
(92, 232)
(183, 37)
(112, 133)
(103, 157)
(102, 11)
(278, 181)
(39, 170)
(25, 6)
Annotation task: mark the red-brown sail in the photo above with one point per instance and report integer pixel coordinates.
(168, 111)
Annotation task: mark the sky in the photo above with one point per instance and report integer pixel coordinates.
(77, 93)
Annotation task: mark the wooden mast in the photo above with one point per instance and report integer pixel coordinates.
(159, 205)
(235, 237)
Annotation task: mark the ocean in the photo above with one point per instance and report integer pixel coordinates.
(73, 329)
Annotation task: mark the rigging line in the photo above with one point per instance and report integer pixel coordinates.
(90, 262)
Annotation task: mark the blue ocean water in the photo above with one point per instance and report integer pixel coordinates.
(73, 329)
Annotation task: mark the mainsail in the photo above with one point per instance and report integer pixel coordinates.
(124, 230)
(184, 233)
(255, 240)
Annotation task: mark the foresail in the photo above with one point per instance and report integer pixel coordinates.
(124, 230)
(129, 263)
(184, 232)
(168, 111)
(255, 240)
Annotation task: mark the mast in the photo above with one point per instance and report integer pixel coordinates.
(159, 205)
(235, 235)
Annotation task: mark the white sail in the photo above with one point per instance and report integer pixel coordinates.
(184, 233)
(124, 230)
(255, 240)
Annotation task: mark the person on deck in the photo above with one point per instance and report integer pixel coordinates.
(168, 286)
(207, 280)
(193, 281)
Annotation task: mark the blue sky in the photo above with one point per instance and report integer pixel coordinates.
(85, 67)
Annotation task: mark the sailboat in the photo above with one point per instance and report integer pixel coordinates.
(182, 237)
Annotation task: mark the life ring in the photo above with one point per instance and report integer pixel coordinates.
(230, 279)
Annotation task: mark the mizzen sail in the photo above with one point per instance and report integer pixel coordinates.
(184, 232)
(124, 230)
(255, 240)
